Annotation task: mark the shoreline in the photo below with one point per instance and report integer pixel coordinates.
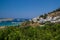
(2, 27)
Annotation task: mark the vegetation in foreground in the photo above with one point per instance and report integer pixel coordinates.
(47, 32)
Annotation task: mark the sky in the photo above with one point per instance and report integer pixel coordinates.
(26, 8)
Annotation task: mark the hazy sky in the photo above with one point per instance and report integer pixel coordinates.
(26, 8)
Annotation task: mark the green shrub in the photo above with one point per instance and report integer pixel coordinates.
(46, 32)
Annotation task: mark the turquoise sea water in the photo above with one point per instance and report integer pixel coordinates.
(9, 23)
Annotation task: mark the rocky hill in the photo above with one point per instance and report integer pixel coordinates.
(52, 17)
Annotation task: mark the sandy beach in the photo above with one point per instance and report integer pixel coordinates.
(2, 27)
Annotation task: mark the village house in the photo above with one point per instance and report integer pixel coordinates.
(52, 17)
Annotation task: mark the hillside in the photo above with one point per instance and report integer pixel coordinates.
(53, 17)
(47, 32)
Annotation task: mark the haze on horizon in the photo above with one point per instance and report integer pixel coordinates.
(26, 8)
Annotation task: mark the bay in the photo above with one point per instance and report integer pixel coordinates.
(9, 23)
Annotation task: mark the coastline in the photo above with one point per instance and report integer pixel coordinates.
(2, 27)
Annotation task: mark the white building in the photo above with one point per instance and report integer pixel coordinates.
(49, 18)
(34, 19)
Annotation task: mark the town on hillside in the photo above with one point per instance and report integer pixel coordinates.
(51, 17)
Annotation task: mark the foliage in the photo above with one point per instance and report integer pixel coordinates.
(46, 32)
(43, 16)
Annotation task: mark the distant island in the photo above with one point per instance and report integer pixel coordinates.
(11, 21)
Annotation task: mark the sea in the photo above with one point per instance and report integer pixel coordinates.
(14, 22)
(10, 23)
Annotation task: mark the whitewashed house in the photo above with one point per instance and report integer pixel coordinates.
(34, 19)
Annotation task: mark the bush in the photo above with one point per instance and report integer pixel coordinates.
(46, 32)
